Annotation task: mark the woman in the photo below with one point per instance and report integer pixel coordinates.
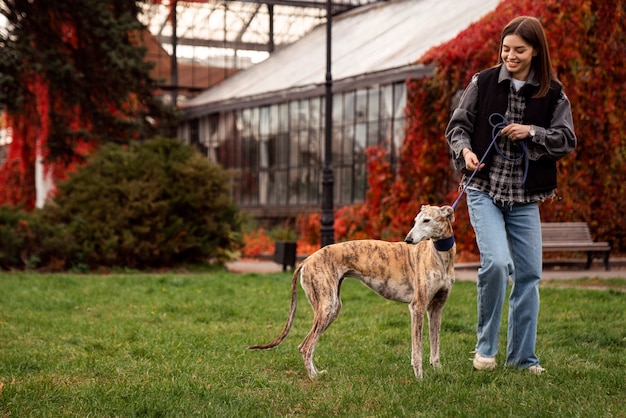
(519, 170)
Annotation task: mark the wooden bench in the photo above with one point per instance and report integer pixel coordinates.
(573, 236)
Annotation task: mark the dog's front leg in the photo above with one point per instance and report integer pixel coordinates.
(416, 307)
(435, 311)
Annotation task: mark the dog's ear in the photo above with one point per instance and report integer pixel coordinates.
(448, 212)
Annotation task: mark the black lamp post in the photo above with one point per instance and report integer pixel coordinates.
(327, 230)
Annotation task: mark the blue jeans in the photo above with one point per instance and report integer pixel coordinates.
(509, 241)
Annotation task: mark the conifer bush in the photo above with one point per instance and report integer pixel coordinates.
(27, 242)
(156, 204)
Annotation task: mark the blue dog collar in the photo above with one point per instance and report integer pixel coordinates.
(444, 244)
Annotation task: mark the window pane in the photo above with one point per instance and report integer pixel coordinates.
(360, 141)
(373, 106)
(360, 183)
(361, 106)
(399, 100)
(273, 122)
(344, 174)
(283, 117)
(387, 102)
(281, 187)
(350, 108)
(338, 109)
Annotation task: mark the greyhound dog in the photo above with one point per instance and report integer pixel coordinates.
(419, 271)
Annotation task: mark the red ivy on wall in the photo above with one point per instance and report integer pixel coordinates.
(30, 129)
(588, 44)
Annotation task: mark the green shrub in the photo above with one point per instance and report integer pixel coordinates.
(13, 236)
(28, 242)
(156, 204)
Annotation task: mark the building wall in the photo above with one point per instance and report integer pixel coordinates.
(276, 151)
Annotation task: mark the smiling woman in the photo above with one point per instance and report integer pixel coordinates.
(504, 194)
(517, 55)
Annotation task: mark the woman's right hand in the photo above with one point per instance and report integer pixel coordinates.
(471, 159)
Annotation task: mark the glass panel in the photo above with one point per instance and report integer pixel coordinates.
(346, 186)
(281, 185)
(315, 187)
(348, 145)
(293, 115)
(360, 141)
(338, 109)
(213, 140)
(264, 126)
(293, 148)
(373, 106)
(361, 105)
(273, 122)
(246, 116)
(314, 114)
(399, 118)
(386, 102)
(194, 126)
(303, 116)
(264, 147)
(349, 105)
(282, 150)
(301, 177)
(360, 183)
(237, 149)
(372, 133)
(398, 134)
(292, 184)
(399, 100)
(283, 117)
(264, 186)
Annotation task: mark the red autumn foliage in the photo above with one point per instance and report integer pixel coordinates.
(587, 43)
(30, 131)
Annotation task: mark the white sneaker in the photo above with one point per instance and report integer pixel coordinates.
(536, 369)
(484, 363)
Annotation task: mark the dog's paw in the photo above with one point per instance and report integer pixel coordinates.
(317, 374)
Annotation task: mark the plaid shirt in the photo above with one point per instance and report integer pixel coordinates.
(506, 175)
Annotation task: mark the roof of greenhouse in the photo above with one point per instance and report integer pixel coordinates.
(368, 42)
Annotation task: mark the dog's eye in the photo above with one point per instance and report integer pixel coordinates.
(426, 221)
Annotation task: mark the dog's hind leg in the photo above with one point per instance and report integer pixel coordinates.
(326, 305)
(435, 313)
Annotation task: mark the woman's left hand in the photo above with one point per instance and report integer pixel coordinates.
(516, 132)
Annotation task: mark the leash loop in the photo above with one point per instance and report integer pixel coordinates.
(496, 128)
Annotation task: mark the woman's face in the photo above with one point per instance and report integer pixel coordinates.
(517, 55)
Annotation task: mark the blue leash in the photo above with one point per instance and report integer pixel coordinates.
(496, 128)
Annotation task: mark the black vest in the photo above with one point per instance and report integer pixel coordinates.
(493, 98)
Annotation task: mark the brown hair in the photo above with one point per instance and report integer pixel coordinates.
(530, 30)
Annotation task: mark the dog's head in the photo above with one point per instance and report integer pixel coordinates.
(432, 222)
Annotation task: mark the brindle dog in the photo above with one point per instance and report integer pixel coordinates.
(419, 271)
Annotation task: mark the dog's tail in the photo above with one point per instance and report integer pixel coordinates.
(292, 313)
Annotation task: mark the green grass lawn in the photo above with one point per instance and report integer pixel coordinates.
(174, 345)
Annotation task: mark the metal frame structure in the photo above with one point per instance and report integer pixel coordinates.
(239, 25)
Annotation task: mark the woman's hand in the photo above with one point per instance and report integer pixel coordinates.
(516, 132)
(471, 159)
